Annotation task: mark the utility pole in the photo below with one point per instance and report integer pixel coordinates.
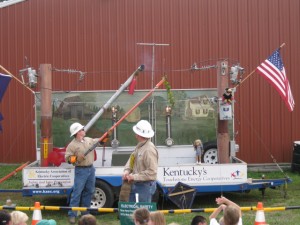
(223, 137)
(152, 116)
(46, 113)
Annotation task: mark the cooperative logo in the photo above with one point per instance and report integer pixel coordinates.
(236, 175)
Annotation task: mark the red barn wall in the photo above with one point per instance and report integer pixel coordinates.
(100, 37)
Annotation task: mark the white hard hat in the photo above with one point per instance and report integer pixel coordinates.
(74, 128)
(144, 129)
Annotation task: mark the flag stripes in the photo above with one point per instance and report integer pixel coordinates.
(273, 71)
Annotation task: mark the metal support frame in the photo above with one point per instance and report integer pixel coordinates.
(152, 114)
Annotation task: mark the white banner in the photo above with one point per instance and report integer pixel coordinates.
(48, 177)
(203, 174)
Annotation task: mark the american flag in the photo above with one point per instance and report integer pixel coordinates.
(273, 71)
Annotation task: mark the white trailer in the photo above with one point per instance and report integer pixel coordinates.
(176, 164)
(176, 160)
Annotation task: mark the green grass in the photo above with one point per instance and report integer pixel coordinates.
(272, 198)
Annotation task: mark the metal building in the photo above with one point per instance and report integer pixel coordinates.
(101, 38)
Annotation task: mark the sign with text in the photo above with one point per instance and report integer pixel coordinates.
(126, 210)
(202, 174)
(225, 112)
(48, 177)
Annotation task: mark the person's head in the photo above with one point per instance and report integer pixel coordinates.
(157, 218)
(46, 222)
(143, 129)
(231, 215)
(197, 142)
(141, 216)
(5, 218)
(199, 220)
(76, 128)
(18, 218)
(87, 220)
(228, 90)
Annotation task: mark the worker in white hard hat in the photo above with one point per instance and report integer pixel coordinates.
(141, 168)
(84, 182)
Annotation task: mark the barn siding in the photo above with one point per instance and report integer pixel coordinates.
(100, 37)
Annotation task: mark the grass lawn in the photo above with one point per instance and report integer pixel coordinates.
(272, 198)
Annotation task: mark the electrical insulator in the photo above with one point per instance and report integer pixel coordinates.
(234, 71)
(32, 77)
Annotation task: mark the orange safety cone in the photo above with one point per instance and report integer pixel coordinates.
(37, 214)
(260, 214)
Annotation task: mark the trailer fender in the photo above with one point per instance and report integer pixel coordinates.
(115, 181)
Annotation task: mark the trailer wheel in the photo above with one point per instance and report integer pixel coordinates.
(103, 196)
(210, 155)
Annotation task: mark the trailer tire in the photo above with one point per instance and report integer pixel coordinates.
(210, 155)
(103, 196)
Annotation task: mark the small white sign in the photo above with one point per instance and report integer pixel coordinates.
(225, 112)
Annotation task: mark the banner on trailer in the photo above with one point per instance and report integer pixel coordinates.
(204, 174)
(48, 177)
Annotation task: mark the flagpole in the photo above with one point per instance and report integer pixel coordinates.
(245, 78)
(283, 44)
(6, 71)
